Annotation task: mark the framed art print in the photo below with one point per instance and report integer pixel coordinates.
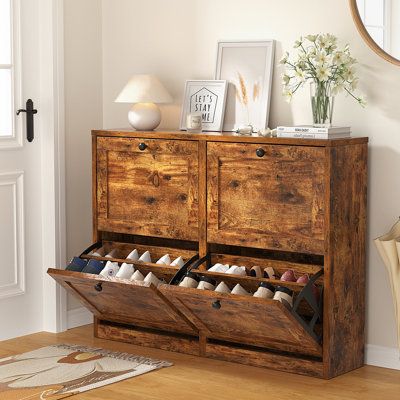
(248, 67)
(208, 99)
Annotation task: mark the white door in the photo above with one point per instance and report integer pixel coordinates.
(22, 167)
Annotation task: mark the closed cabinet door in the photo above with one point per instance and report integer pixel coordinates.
(266, 196)
(148, 187)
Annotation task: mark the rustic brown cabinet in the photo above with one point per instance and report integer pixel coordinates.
(281, 203)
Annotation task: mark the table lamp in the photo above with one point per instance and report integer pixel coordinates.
(144, 91)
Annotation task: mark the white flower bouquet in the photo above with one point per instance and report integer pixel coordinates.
(330, 70)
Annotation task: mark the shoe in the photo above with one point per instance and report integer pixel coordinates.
(94, 267)
(77, 264)
(256, 272)
(100, 252)
(222, 288)
(219, 268)
(178, 262)
(125, 271)
(113, 253)
(110, 269)
(284, 295)
(151, 278)
(145, 257)
(164, 260)
(137, 276)
(190, 280)
(265, 291)
(238, 289)
(303, 279)
(206, 283)
(133, 255)
(288, 276)
(235, 270)
(269, 273)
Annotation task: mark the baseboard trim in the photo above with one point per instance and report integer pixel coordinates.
(78, 317)
(385, 357)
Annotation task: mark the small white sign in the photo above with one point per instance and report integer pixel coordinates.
(208, 99)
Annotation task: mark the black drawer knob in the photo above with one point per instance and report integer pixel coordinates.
(260, 152)
(98, 287)
(216, 304)
(142, 146)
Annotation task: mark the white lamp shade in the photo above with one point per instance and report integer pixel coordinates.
(144, 89)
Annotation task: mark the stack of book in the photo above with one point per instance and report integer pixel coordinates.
(312, 132)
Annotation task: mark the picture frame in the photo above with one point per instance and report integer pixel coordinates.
(207, 97)
(248, 67)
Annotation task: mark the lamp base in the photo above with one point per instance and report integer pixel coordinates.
(144, 116)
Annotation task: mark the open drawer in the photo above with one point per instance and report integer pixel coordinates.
(243, 319)
(126, 301)
(251, 320)
(119, 300)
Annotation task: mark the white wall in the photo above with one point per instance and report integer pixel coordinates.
(83, 112)
(176, 39)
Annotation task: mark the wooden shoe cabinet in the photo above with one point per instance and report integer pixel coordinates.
(217, 197)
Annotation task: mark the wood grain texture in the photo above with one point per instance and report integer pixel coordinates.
(244, 319)
(344, 307)
(203, 245)
(275, 201)
(141, 337)
(151, 192)
(228, 137)
(121, 300)
(95, 236)
(262, 358)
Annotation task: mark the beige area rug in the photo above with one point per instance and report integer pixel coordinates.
(60, 371)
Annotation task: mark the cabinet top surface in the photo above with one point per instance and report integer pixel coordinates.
(227, 137)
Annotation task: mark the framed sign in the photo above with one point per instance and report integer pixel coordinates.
(248, 68)
(208, 99)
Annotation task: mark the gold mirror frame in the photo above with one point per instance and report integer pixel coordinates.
(366, 36)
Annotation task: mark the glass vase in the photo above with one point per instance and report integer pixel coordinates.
(322, 102)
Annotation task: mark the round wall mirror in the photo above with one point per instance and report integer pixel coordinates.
(378, 22)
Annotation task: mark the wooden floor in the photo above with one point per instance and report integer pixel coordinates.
(200, 378)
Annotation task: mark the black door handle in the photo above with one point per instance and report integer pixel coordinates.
(30, 111)
(142, 146)
(260, 152)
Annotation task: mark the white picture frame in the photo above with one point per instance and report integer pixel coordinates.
(207, 97)
(249, 64)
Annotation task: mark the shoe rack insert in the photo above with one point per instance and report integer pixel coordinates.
(286, 203)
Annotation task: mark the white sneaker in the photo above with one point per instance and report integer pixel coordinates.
(100, 252)
(110, 269)
(256, 272)
(151, 278)
(145, 257)
(164, 260)
(125, 271)
(190, 280)
(137, 276)
(269, 273)
(222, 288)
(238, 289)
(178, 262)
(265, 291)
(235, 270)
(112, 254)
(133, 255)
(219, 268)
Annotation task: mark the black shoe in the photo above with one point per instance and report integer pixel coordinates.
(94, 267)
(76, 264)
